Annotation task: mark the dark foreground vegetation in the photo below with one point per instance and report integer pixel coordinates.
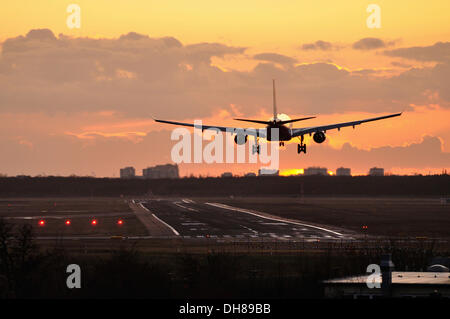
(436, 185)
(30, 271)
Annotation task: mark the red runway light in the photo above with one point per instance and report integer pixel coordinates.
(41, 222)
(120, 222)
(68, 222)
(94, 222)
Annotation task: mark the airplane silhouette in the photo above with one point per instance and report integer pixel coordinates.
(284, 133)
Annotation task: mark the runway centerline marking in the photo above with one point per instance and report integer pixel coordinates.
(248, 228)
(219, 205)
(184, 207)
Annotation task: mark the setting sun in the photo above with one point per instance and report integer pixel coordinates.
(291, 172)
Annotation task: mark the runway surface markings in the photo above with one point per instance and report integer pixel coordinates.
(248, 228)
(184, 207)
(270, 218)
(161, 221)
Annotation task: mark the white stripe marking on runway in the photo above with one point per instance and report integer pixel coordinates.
(270, 218)
(163, 222)
(188, 208)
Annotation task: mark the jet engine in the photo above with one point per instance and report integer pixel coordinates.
(319, 137)
(240, 139)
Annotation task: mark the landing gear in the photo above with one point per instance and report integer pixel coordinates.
(281, 143)
(301, 147)
(255, 148)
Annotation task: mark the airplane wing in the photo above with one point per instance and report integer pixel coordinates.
(323, 128)
(248, 131)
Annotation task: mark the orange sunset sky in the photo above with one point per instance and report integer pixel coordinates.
(81, 101)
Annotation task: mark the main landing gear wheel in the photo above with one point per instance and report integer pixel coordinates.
(301, 147)
(281, 143)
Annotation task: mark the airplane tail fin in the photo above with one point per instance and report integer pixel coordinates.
(275, 118)
(275, 114)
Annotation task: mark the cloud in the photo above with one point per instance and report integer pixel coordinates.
(41, 34)
(105, 90)
(401, 65)
(371, 44)
(140, 76)
(439, 52)
(133, 36)
(203, 52)
(39, 72)
(319, 45)
(275, 57)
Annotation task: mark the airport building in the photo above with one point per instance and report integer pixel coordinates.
(161, 171)
(226, 174)
(315, 171)
(376, 171)
(342, 171)
(251, 174)
(127, 172)
(435, 283)
(268, 172)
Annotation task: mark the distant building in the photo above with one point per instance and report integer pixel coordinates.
(127, 172)
(316, 171)
(251, 174)
(395, 284)
(268, 172)
(226, 174)
(23, 176)
(161, 171)
(376, 171)
(342, 171)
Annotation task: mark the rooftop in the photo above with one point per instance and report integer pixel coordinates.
(400, 277)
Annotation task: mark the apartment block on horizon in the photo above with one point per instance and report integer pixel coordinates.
(376, 171)
(315, 171)
(343, 171)
(127, 172)
(161, 171)
(268, 172)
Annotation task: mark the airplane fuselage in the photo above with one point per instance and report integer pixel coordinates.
(284, 133)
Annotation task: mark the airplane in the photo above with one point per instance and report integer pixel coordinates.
(284, 133)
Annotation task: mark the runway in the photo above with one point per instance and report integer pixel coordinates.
(189, 219)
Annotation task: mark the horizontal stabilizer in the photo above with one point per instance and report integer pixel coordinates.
(255, 121)
(296, 120)
(278, 121)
